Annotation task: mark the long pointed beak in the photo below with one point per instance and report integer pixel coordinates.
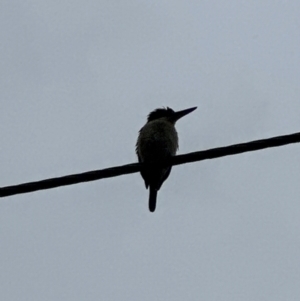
(179, 114)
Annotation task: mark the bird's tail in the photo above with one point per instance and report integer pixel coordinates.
(152, 198)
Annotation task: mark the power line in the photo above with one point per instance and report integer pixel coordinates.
(135, 167)
(236, 149)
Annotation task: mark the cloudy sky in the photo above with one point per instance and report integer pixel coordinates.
(77, 80)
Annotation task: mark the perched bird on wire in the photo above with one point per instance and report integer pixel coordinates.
(157, 143)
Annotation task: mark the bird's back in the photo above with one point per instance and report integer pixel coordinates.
(157, 142)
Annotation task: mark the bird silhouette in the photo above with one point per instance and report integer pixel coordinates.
(156, 144)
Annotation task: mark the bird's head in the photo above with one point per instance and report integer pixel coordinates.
(168, 114)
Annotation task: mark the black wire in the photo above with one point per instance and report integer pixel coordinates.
(135, 167)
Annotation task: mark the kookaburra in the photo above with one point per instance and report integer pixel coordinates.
(157, 143)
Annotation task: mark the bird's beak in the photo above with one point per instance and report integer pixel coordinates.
(179, 114)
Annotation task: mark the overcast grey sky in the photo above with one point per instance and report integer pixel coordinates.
(77, 80)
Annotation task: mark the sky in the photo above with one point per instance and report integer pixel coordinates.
(77, 81)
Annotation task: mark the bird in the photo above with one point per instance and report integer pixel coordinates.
(157, 142)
